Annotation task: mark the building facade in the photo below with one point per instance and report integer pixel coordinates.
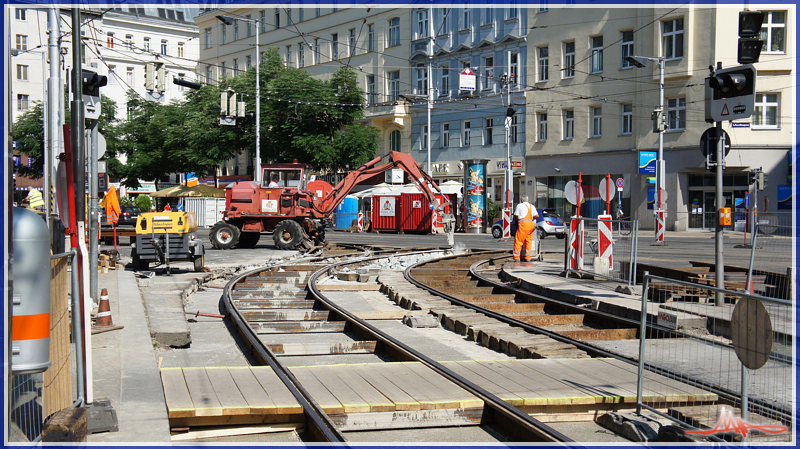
(590, 108)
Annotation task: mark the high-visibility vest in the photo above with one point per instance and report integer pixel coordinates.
(35, 199)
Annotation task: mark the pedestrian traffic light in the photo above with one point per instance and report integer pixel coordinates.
(91, 82)
(150, 76)
(730, 93)
(749, 32)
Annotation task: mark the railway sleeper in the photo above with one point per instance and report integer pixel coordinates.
(515, 307)
(488, 299)
(290, 327)
(274, 304)
(266, 294)
(287, 315)
(598, 334)
(322, 348)
(541, 319)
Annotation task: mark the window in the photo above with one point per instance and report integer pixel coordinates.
(181, 76)
(544, 6)
(112, 76)
(424, 137)
(569, 124)
(317, 51)
(444, 87)
(514, 129)
(627, 119)
(129, 76)
(163, 47)
(597, 54)
(223, 70)
(467, 24)
(248, 61)
(21, 14)
(445, 135)
(676, 114)
(773, 32)
(371, 90)
(110, 40)
(487, 131)
(488, 72)
(209, 79)
(542, 119)
(765, 114)
(352, 42)
(129, 39)
(334, 46)
(371, 37)
(301, 60)
(465, 127)
(394, 32)
(569, 59)
(224, 33)
(207, 43)
(488, 16)
(422, 23)
(597, 122)
(288, 55)
(146, 44)
(277, 18)
(22, 102)
(422, 79)
(235, 67)
(394, 141)
(514, 68)
(544, 63)
(22, 72)
(627, 48)
(317, 10)
(22, 42)
(673, 38)
(394, 85)
(236, 29)
(445, 24)
(248, 21)
(263, 21)
(301, 15)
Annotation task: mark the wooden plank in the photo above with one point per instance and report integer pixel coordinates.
(235, 431)
(258, 399)
(421, 380)
(553, 390)
(447, 388)
(344, 393)
(231, 399)
(235, 420)
(280, 395)
(281, 327)
(371, 373)
(377, 401)
(479, 375)
(203, 396)
(317, 390)
(323, 348)
(348, 287)
(408, 419)
(176, 393)
(671, 389)
(527, 389)
(592, 377)
(404, 380)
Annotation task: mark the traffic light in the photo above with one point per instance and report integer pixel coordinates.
(730, 93)
(659, 122)
(91, 82)
(751, 178)
(150, 76)
(161, 78)
(749, 32)
(761, 180)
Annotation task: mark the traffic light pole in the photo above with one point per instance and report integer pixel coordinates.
(93, 214)
(719, 272)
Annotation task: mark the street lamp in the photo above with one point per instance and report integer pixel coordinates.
(228, 20)
(639, 62)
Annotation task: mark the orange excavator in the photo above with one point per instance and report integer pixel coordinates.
(298, 218)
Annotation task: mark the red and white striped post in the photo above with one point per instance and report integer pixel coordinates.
(506, 223)
(604, 239)
(576, 244)
(360, 222)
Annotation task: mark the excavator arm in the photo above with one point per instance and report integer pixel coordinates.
(394, 159)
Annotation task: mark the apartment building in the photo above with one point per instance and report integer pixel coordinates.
(589, 109)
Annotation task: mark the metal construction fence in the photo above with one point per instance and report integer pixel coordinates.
(624, 241)
(773, 262)
(35, 397)
(701, 220)
(733, 363)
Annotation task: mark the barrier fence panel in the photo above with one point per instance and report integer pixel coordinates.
(773, 267)
(35, 397)
(624, 240)
(730, 366)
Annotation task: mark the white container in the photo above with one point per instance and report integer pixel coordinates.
(207, 210)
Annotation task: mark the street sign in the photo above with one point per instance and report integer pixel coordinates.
(606, 190)
(620, 183)
(466, 79)
(710, 137)
(573, 194)
(747, 200)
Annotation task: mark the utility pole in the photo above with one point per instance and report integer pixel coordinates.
(54, 104)
(430, 85)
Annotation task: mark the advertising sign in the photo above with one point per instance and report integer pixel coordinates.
(785, 194)
(647, 162)
(475, 205)
(651, 196)
(466, 79)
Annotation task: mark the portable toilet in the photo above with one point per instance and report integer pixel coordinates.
(346, 212)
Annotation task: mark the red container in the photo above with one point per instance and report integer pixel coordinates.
(417, 214)
(386, 213)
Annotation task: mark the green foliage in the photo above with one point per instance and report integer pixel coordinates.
(125, 201)
(494, 210)
(143, 202)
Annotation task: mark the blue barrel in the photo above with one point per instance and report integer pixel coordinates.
(346, 213)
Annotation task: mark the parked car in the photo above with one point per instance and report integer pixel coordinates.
(548, 223)
(128, 215)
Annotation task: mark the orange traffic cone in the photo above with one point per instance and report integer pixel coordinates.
(104, 322)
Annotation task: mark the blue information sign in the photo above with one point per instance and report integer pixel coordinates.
(785, 195)
(647, 162)
(651, 196)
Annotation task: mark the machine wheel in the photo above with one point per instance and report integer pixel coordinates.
(137, 264)
(541, 233)
(288, 235)
(199, 262)
(224, 235)
(248, 239)
(497, 233)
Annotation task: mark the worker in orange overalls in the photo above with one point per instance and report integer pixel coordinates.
(526, 225)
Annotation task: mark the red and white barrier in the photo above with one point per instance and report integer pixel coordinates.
(660, 226)
(576, 244)
(604, 239)
(360, 222)
(436, 221)
(506, 223)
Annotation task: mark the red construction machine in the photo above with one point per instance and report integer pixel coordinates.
(296, 217)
